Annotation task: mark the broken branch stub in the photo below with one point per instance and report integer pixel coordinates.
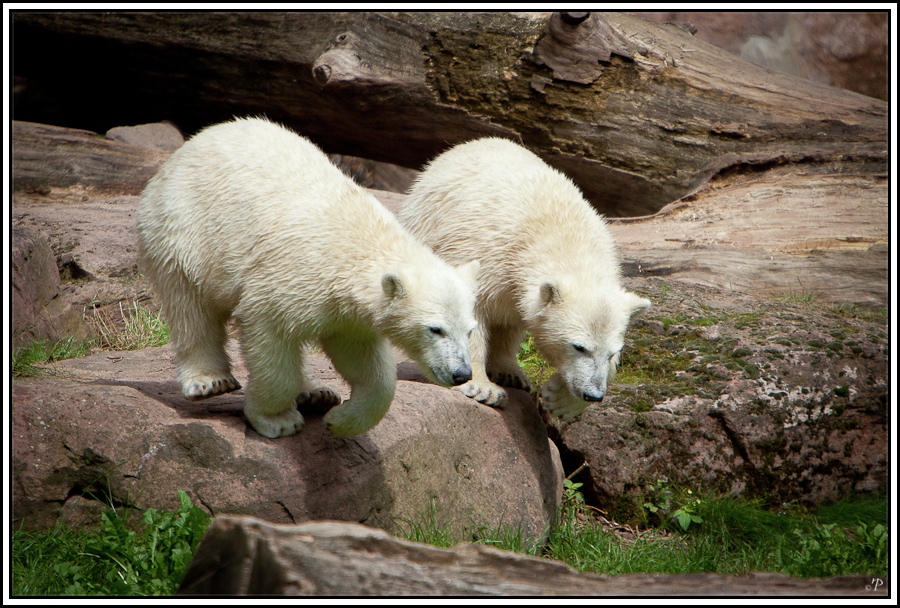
(576, 44)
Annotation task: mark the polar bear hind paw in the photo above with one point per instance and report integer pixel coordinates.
(317, 402)
(201, 387)
(280, 425)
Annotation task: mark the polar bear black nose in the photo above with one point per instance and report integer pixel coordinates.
(593, 397)
(462, 375)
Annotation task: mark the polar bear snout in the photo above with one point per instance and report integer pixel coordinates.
(593, 396)
(462, 375)
(451, 375)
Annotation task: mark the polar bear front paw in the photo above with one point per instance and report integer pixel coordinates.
(512, 378)
(487, 393)
(201, 387)
(280, 425)
(317, 402)
(559, 401)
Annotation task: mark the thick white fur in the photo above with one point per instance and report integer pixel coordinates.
(250, 220)
(549, 265)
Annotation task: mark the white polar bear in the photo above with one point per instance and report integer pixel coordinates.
(250, 220)
(548, 265)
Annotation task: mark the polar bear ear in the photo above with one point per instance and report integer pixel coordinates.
(549, 294)
(392, 285)
(469, 272)
(635, 303)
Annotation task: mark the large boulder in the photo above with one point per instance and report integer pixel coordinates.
(114, 427)
(778, 399)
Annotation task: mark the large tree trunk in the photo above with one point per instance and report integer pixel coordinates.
(637, 113)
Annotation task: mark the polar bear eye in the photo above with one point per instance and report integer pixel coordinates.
(437, 331)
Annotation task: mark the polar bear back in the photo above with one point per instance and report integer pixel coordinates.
(529, 216)
(281, 209)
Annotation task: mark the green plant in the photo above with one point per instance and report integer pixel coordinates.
(27, 360)
(660, 502)
(852, 311)
(118, 559)
(686, 515)
(659, 498)
(537, 369)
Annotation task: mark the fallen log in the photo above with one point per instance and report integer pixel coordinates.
(248, 556)
(639, 114)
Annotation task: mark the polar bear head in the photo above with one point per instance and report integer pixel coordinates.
(581, 332)
(430, 315)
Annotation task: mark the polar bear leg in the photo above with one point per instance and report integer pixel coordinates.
(503, 368)
(276, 373)
(367, 364)
(198, 338)
(480, 388)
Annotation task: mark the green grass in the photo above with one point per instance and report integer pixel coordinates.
(798, 297)
(29, 360)
(119, 558)
(732, 536)
(728, 536)
(134, 328)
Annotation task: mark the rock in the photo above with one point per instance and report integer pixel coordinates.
(786, 401)
(115, 426)
(47, 157)
(246, 556)
(80, 192)
(843, 49)
(160, 135)
(770, 235)
(375, 175)
(35, 282)
(799, 412)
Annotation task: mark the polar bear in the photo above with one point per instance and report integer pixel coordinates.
(549, 265)
(251, 221)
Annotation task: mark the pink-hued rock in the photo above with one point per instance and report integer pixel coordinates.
(842, 49)
(808, 423)
(115, 425)
(159, 135)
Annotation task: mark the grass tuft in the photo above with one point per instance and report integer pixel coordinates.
(135, 327)
(29, 360)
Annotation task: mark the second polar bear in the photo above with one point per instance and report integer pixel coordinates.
(250, 220)
(549, 265)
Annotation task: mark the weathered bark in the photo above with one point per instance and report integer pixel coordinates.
(247, 556)
(637, 113)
